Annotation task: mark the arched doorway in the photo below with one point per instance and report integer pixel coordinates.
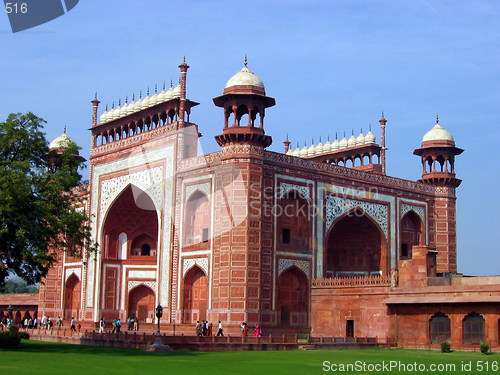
(356, 247)
(293, 298)
(141, 304)
(411, 234)
(72, 294)
(195, 296)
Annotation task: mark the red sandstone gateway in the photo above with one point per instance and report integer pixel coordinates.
(317, 239)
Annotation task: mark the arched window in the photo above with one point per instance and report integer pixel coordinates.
(294, 223)
(411, 234)
(439, 328)
(197, 221)
(473, 329)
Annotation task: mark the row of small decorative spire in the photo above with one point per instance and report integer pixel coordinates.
(320, 148)
(140, 104)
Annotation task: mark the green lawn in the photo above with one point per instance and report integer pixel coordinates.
(35, 357)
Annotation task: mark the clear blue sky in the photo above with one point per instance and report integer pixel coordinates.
(331, 65)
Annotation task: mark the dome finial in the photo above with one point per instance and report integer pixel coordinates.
(140, 94)
(148, 91)
(163, 85)
(156, 88)
(126, 99)
(64, 129)
(437, 118)
(320, 139)
(119, 102)
(95, 95)
(113, 105)
(287, 136)
(328, 139)
(106, 107)
(382, 114)
(133, 97)
(246, 60)
(171, 83)
(184, 59)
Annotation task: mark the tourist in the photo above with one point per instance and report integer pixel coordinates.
(257, 332)
(43, 322)
(199, 329)
(205, 327)
(130, 324)
(59, 323)
(136, 324)
(49, 324)
(113, 326)
(73, 324)
(118, 325)
(102, 325)
(220, 331)
(35, 323)
(244, 329)
(210, 328)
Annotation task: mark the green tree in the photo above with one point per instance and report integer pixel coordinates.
(18, 286)
(39, 215)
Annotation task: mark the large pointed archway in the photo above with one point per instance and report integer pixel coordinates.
(141, 303)
(72, 295)
(293, 298)
(356, 246)
(195, 296)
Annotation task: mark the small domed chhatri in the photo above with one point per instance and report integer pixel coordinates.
(245, 82)
(61, 142)
(438, 133)
(245, 78)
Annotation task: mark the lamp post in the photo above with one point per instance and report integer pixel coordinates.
(10, 309)
(158, 343)
(159, 314)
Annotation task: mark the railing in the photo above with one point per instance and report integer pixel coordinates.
(344, 340)
(352, 281)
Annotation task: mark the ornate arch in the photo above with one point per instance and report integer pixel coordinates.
(303, 191)
(188, 264)
(337, 207)
(302, 265)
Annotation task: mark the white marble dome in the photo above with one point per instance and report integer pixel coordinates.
(438, 133)
(296, 152)
(352, 141)
(360, 140)
(103, 117)
(319, 148)
(245, 78)
(370, 137)
(62, 141)
(343, 143)
(303, 151)
(176, 93)
(336, 144)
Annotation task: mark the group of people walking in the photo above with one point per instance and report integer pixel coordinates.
(256, 333)
(205, 329)
(116, 325)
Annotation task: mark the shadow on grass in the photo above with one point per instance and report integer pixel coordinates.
(32, 346)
